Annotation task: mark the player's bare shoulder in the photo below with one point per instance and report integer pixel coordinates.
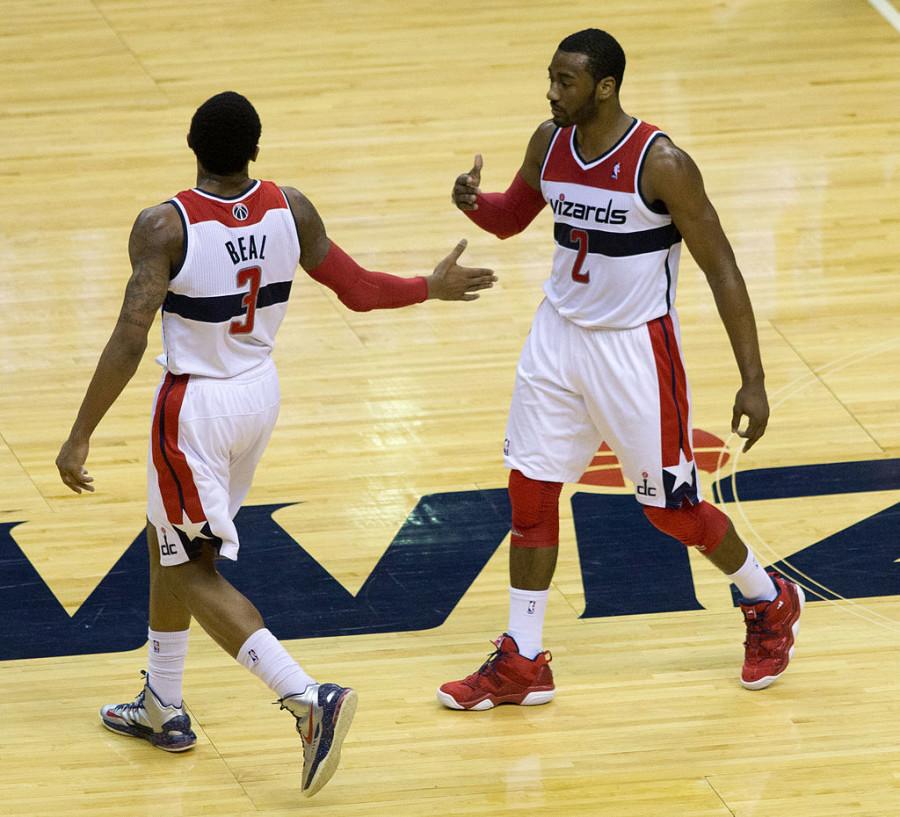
(536, 152)
(668, 171)
(540, 140)
(314, 242)
(157, 230)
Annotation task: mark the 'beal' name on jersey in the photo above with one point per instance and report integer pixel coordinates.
(246, 248)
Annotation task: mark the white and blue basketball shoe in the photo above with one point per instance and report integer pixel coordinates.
(324, 713)
(165, 727)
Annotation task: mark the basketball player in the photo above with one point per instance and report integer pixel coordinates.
(603, 359)
(220, 260)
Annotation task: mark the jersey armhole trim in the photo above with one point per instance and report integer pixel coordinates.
(550, 145)
(659, 208)
(179, 208)
(293, 221)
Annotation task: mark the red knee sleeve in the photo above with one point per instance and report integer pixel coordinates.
(535, 511)
(702, 526)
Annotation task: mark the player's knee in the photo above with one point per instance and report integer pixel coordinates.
(535, 511)
(702, 526)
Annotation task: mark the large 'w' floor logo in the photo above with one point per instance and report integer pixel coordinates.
(437, 554)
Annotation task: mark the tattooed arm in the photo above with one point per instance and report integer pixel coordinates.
(154, 247)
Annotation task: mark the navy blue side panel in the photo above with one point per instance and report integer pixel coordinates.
(225, 307)
(33, 624)
(617, 245)
(857, 562)
(811, 480)
(628, 566)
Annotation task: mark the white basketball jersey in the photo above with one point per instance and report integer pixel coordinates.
(616, 259)
(229, 296)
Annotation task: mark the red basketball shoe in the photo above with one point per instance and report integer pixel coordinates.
(505, 678)
(772, 628)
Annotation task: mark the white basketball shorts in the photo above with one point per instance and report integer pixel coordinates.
(207, 437)
(576, 388)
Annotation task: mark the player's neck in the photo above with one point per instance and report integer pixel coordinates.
(602, 131)
(223, 186)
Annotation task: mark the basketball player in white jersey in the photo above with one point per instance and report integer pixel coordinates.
(603, 359)
(219, 261)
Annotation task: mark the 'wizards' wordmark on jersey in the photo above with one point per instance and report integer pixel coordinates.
(437, 554)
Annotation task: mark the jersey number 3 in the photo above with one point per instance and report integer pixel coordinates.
(582, 238)
(248, 275)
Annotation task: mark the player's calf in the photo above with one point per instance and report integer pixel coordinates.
(702, 526)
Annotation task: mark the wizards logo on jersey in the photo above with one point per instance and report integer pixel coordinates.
(588, 212)
(442, 547)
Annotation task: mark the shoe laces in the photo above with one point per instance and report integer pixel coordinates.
(131, 706)
(758, 634)
(489, 667)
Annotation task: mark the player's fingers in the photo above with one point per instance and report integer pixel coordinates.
(736, 414)
(457, 251)
(468, 297)
(754, 432)
(478, 272)
(476, 166)
(70, 483)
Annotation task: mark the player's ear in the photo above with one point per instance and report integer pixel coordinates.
(254, 154)
(606, 88)
(188, 140)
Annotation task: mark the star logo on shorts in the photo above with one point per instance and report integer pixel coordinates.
(683, 472)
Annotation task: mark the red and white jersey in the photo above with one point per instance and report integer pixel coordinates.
(616, 258)
(229, 296)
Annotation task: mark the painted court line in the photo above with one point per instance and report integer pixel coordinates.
(886, 9)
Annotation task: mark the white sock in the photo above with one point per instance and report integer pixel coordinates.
(165, 664)
(526, 619)
(753, 582)
(264, 656)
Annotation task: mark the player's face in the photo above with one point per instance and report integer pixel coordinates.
(572, 87)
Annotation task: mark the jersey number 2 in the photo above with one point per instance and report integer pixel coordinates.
(248, 275)
(582, 238)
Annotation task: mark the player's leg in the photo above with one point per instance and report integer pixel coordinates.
(549, 440)
(323, 712)
(242, 414)
(659, 460)
(158, 714)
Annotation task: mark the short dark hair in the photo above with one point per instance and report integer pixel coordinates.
(224, 133)
(605, 56)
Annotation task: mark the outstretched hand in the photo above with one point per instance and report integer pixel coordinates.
(451, 282)
(465, 188)
(750, 401)
(70, 463)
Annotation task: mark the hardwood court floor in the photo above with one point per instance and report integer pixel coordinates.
(372, 109)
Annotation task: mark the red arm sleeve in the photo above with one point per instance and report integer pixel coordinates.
(506, 214)
(361, 289)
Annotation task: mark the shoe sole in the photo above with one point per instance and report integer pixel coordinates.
(135, 733)
(768, 680)
(536, 698)
(327, 768)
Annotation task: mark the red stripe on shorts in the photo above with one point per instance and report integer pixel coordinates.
(176, 481)
(673, 402)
